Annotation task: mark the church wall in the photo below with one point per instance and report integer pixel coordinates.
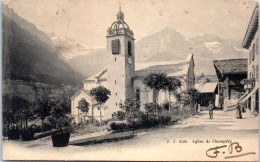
(75, 111)
(146, 94)
(74, 105)
(190, 75)
(102, 83)
(115, 75)
(89, 85)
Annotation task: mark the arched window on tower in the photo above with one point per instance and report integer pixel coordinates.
(129, 48)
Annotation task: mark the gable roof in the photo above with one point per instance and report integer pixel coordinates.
(209, 88)
(160, 68)
(251, 29)
(230, 66)
(171, 68)
(86, 92)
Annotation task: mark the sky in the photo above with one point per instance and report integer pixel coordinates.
(87, 20)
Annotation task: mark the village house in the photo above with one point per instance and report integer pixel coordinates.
(123, 77)
(230, 73)
(251, 83)
(207, 92)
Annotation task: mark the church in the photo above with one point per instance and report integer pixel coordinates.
(123, 77)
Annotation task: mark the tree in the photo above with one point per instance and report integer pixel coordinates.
(156, 81)
(101, 95)
(83, 106)
(132, 110)
(130, 107)
(42, 109)
(20, 110)
(172, 85)
(189, 97)
(193, 96)
(8, 112)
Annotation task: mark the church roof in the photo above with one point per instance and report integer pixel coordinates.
(100, 75)
(86, 92)
(160, 67)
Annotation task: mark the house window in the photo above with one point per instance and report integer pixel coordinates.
(250, 53)
(129, 48)
(253, 74)
(116, 93)
(253, 52)
(115, 59)
(256, 74)
(257, 46)
(115, 81)
(116, 103)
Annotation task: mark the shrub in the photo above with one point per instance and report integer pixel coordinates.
(120, 115)
(136, 123)
(13, 133)
(47, 127)
(27, 134)
(119, 125)
(105, 122)
(36, 128)
(165, 117)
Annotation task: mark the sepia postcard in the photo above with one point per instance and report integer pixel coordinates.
(130, 80)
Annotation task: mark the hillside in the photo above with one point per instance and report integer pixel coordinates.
(29, 54)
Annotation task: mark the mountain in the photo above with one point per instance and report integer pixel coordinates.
(83, 59)
(207, 48)
(29, 54)
(169, 44)
(164, 45)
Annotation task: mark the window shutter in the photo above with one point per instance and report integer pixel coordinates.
(253, 57)
(115, 46)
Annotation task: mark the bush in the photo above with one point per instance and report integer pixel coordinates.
(36, 128)
(150, 121)
(137, 123)
(27, 134)
(165, 117)
(119, 125)
(105, 122)
(13, 133)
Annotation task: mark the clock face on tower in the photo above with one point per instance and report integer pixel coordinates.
(129, 60)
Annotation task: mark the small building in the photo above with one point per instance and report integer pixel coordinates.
(251, 83)
(208, 92)
(230, 73)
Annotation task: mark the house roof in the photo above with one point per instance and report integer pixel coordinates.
(198, 86)
(251, 29)
(208, 88)
(230, 66)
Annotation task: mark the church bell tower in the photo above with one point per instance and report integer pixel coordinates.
(120, 62)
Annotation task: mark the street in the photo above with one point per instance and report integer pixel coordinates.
(187, 140)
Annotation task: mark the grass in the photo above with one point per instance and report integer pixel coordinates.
(103, 138)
